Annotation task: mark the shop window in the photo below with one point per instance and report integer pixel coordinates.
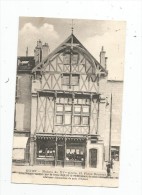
(75, 154)
(115, 153)
(44, 152)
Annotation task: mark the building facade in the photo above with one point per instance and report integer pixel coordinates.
(62, 115)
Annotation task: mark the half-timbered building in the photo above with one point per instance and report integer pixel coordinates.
(65, 108)
(69, 118)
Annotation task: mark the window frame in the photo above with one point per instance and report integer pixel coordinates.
(72, 113)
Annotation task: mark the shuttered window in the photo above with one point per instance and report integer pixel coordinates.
(75, 79)
(67, 59)
(74, 59)
(66, 79)
(70, 79)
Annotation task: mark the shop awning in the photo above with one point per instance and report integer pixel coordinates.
(20, 142)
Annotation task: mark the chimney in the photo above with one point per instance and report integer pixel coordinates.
(103, 59)
(45, 50)
(38, 52)
(27, 52)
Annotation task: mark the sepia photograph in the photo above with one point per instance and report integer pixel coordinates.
(68, 101)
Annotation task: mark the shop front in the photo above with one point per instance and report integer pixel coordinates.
(61, 151)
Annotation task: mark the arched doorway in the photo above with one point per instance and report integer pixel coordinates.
(93, 158)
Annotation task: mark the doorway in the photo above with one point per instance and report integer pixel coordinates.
(61, 152)
(93, 158)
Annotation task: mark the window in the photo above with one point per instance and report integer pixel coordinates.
(66, 79)
(77, 109)
(115, 153)
(72, 114)
(85, 120)
(74, 59)
(67, 119)
(70, 58)
(60, 108)
(77, 120)
(85, 109)
(75, 79)
(59, 119)
(70, 79)
(67, 108)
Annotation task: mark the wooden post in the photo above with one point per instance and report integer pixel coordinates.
(72, 119)
(44, 129)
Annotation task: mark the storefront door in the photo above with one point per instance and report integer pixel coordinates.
(61, 152)
(93, 158)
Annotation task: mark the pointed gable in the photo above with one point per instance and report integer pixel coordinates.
(72, 43)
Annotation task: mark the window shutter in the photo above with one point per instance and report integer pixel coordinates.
(67, 59)
(75, 80)
(66, 79)
(74, 59)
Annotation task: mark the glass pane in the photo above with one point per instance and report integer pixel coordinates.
(61, 100)
(59, 108)
(85, 109)
(79, 101)
(59, 119)
(67, 119)
(75, 101)
(67, 108)
(77, 109)
(77, 120)
(85, 120)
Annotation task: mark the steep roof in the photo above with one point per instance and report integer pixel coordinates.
(73, 43)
